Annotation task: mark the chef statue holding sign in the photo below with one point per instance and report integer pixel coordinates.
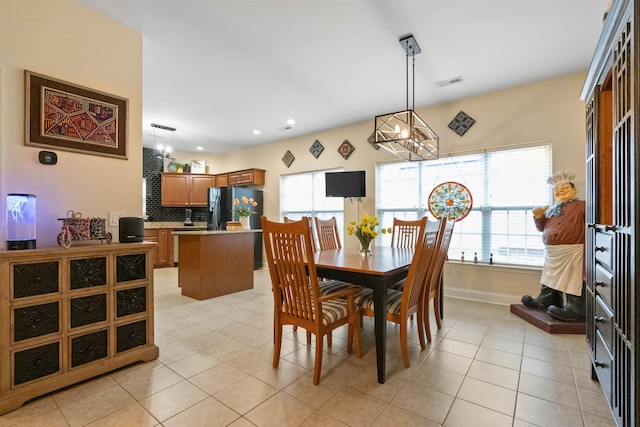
(563, 230)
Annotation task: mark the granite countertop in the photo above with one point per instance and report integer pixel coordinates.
(173, 225)
(205, 232)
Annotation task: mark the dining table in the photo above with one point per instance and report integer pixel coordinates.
(382, 268)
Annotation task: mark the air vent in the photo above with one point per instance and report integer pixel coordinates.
(450, 81)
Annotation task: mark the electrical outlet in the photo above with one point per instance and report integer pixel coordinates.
(114, 218)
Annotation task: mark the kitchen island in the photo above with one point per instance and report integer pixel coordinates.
(214, 263)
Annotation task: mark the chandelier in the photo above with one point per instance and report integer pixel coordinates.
(404, 133)
(162, 151)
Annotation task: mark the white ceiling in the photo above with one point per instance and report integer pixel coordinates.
(218, 69)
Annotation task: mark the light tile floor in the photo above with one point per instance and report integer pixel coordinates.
(485, 367)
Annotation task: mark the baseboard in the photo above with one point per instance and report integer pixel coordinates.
(480, 296)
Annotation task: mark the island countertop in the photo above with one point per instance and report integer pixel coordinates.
(206, 232)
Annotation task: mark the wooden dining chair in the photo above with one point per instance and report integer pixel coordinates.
(404, 233)
(402, 304)
(314, 245)
(297, 299)
(432, 289)
(328, 236)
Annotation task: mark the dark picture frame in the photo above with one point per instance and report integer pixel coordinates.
(62, 115)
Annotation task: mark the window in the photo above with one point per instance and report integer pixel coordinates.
(303, 194)
(505, 186)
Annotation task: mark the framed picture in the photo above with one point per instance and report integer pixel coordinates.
(64, 116)
(198, 166)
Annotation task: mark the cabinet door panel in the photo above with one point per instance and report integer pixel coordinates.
(36, 320)
(131, 267)
(175, 189)
(35, 279)
(89, 347)
(131, 301)
(36, 363)
(85, 273)
(200, 185)
(88, 310)
(131, 335)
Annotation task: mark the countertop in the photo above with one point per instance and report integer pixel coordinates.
(205, 232)
(174, 225)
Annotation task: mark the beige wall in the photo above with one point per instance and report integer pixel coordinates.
(546, 111)
(70, 42)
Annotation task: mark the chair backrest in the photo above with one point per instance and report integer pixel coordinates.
(293, 274)
(314, 245)
(444, 240)
(404, 233)
(328, 236)
(421, 264)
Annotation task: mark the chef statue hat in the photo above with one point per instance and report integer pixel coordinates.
(560, 177)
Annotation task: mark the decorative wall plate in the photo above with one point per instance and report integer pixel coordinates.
(346, 149)
(450, 200)
(316, 149)
(461, 123)
(288, 158)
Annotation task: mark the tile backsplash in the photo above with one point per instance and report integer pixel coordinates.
(152, 165)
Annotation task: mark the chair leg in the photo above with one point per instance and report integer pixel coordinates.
(277, 344)
(421, 327)
(329, 339)
(308, 338)
(318, 363)
(425, 320)
(403, 344)
(436, 310)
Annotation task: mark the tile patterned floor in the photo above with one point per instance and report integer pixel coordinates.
(485, 367)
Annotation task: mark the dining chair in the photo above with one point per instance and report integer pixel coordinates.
(432, 289)
(328, 236)
(402, 304)
(314, 245)
(404, 233)
(297, 299)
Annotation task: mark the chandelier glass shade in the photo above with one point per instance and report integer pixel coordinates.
(163, 151)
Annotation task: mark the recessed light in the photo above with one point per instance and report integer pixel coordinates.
(199, 148)
(291, 122)
(256, 132)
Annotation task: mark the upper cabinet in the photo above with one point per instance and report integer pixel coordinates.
(185, 190)
(247, 177)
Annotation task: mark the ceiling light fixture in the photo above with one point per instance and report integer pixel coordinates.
(160, 150)
(256, 132)
(404, 133)
(291, 122)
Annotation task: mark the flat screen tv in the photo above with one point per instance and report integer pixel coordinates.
(345, 184)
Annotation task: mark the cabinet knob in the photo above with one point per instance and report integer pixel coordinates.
(37, 362)
(599, 364)
(90, 347)
(599, 248)
(597, 283)
(598, 319)
(610, 228)
(89, 310)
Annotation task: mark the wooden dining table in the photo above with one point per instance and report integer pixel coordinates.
(378, 271)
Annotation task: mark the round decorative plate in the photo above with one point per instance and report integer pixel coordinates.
(450, 200)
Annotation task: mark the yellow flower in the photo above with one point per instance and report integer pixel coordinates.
(245, 200)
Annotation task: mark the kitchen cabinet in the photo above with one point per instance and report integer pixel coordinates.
(185, 189)
(612, 190)
(222, 180)
(67, 315)
(162, 256)
(247, 177)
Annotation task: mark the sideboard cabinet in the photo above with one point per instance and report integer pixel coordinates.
(67, 315)
(612, 246)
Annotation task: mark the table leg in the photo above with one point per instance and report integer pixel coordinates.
(380, 318)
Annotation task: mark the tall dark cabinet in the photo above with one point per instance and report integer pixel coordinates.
(612, 247)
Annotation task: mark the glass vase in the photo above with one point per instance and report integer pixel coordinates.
(365, 247)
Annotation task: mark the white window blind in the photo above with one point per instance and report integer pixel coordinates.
(303, 194)
(505, 186)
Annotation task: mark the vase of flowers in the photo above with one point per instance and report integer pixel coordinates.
(244, 210)
(366, 230)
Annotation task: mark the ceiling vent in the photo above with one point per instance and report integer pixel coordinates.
(450, 81)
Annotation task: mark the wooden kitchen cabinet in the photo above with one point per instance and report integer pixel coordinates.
(247, 177)
(222, 180)
(162, 256)
(185, 189)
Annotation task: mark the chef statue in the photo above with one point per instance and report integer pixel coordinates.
(563, 230)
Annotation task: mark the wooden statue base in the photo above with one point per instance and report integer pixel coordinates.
(542, 320)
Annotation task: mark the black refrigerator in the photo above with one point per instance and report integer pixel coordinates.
(220, 205)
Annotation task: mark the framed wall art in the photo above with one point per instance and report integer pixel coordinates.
(65, 116)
